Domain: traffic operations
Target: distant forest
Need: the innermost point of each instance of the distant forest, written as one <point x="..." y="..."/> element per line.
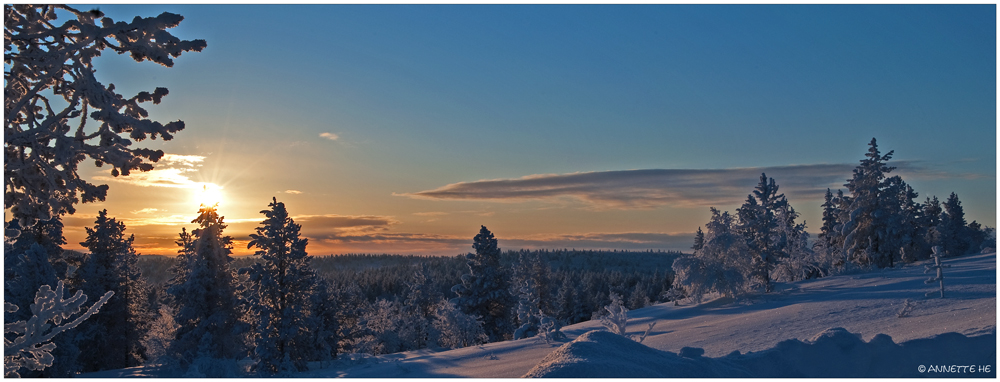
<point x="577" y="283"/>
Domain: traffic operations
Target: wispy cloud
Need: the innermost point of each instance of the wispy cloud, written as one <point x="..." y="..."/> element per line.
<point x="644" y="189"/>
<point x="319" y="225"/>
<point x="937" y="171"/>
<point x="396" y="238"/>
<point x="330" y="136"/>
<point x="436" y="213"/>
<point x="145" y="211"/>
<point x="171" y="171"/>
<point x="652" y="188"/>
<point x="293" y="192"/>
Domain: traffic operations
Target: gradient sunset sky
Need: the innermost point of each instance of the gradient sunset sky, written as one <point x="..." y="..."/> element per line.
<point x="402" y="129"/>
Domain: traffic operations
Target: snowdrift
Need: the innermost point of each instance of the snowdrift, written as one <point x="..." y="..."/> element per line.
<point x="832" y="353"/>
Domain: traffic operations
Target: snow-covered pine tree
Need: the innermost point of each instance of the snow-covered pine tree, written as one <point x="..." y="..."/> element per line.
<point x="720" y="266"/>
<point x="638" y="298"/>
<point x="914" y="246"/>
<point x="280" y="288"/>
<point x="455" y="329"/>
<point x="699" y="239"/>
<point x="527" y="311"/>
<point x="323" y="324"/>
<point x="827" y="233"/>
<point x="418" y="307"/>
<point x="483" y="291"/>
<point x="203" y="295"/>
<point x="46" y="65"/>
<point x="351" y="304"/>
<point x="49" y="235"/>
<point x="903" y="229"/>
<point x="616" y="319"/>
<point x="524" y="283"/>
<point x="540" y="276"/>
<point x="161" y="333"/>
<point x="798" y="261"/>
<point x="954" y="232"/>
<point x="866" y="231"/>
<point x="380" y="325"/>
<point x="932" y="212"/>
<point x="979" y="237"/>
<point x="567" y="302"/>
<point x="27" y="343"/>
<point x="25" y="270"/>
<point x="113" y="337"/>
<point x="758" y="226"/>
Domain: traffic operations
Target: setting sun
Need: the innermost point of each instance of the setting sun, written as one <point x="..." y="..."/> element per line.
<point x="208" y="195"/>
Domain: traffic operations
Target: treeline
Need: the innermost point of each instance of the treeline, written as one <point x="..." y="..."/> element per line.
<point x="877" y="224"/>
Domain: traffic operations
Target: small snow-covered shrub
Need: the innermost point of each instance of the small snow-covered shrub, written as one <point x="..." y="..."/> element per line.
<point x="907" y="308"/>
<point x="549" y="329"/>
<point x="617" y="318"/>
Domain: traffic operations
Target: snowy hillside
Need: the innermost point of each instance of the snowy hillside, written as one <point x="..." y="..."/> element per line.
<point x="867" y="304"/>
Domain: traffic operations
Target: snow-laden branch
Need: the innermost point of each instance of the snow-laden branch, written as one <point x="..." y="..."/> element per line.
<point x="49" y="83"/>
<point x="30" y="346"/>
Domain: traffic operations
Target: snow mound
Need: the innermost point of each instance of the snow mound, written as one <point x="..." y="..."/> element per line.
<point x="601" y="354"/>
<point x="832" y="353"/>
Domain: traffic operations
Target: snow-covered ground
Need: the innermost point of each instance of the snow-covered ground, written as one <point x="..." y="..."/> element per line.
<point x="866" y="304"/>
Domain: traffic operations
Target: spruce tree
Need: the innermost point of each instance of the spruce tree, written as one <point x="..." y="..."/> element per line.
<point x="567" y="302"/>
<point x="27" y="266"/>
<point x="930" y="221"/>
<point x="528" y="314"/>
<point x="203" y="294"/>
<point x="699" y="240"/>
<point x="323" y="324"/>
<point x="113" y="337"/>
<point x="758" y="225"/>
<point x="954" y="232"/>
<point x="419" y="305"/>
<point x="912" y="244"/>
<point x="899" y="230"/>
<point x="280" y="293"/>
<point x="483" y="291"/>
<point x="827" y="232"/>
<point x="866" y="230"/>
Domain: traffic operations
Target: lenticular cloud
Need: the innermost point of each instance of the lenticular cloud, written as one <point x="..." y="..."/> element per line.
<point x="643" y="189"/>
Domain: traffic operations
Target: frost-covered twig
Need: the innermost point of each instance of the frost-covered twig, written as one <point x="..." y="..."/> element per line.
<point x="907" y="308"/>
<point x="30" y="344"/>
<point x="646" y="333"/>
<point x="617" y="318"/>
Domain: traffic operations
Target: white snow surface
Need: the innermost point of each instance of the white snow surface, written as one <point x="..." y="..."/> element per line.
<point x="864" y="304"/>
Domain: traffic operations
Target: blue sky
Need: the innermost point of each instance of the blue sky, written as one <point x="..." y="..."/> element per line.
<point x="414" y="99"/>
